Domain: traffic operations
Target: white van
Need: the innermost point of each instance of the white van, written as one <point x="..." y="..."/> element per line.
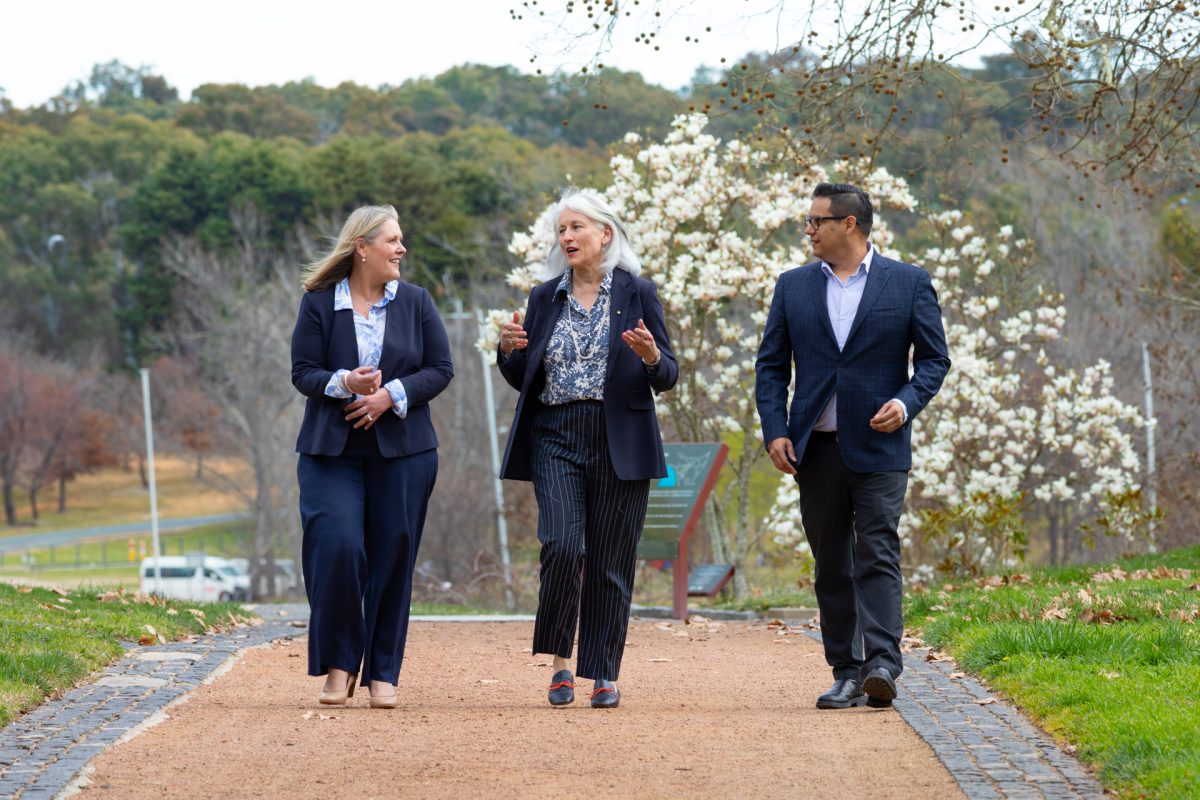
<point x="284" y="573"/>
<point x="192" y="577"/>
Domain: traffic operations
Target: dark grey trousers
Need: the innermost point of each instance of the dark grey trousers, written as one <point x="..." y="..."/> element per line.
<point x="589" y="523"/>
<point x="850" y="519"/>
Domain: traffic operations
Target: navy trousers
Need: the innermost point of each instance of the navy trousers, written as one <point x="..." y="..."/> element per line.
<point x="589" y="523"/>
<point x="851" y="519"/>
<point x="362" y="516"/>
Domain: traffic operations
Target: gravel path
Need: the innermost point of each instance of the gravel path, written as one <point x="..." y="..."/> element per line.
<point x="709" y="709"/>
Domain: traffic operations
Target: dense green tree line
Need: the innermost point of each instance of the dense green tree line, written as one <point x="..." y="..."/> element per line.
<point x="96" y="180"/>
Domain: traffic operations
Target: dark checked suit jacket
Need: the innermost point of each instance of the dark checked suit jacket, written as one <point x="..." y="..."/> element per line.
<point x="898" y="312"/>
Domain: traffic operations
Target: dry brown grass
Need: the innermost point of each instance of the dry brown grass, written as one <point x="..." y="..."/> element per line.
<point x="115" y="496"/>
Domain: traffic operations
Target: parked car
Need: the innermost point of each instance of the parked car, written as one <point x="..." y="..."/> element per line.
<point x="193" y="577"/>
<point x="287" y="580"/>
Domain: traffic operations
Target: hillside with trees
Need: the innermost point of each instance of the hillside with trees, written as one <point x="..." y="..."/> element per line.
<point x="136" y="226"/>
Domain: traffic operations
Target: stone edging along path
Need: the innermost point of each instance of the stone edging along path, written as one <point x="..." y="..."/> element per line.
<point x="988" y="747"/>
<point x="43" y="751"/>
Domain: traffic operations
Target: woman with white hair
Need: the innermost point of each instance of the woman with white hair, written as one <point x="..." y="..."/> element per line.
<point x="369" y="351"/>
<point x="591" y="354"/>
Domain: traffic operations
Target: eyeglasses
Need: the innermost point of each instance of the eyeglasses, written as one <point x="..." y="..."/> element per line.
<point x="815" y="222"/>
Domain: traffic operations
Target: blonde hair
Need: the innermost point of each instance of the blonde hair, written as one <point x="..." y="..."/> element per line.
<point x="363" y="223"/>
<point x="618" y="253"/>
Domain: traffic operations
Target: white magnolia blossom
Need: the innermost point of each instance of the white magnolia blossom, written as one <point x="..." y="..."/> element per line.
<point x="715" y="225"/>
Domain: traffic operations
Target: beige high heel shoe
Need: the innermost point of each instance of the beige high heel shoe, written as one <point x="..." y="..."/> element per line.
<point x="339" y="698"/>
<point x="384" y="700"/>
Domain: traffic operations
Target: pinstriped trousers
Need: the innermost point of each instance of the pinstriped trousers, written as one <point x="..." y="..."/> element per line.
<point x="589" y="523"/>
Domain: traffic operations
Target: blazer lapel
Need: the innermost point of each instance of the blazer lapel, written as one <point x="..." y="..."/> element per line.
<point x="877" y="278"/>
<point x="389" y="356"/>
<point x="620" y="297"/>
<point x="343" y="345"/>
<point x="816" y="295"/>
<point x="548" y="315"/>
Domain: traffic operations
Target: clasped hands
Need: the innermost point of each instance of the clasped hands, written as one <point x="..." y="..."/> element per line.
<point x="639" y="339"/>
<point x="366" y="410"/>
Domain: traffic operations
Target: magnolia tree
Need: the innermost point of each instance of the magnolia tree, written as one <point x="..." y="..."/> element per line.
<point x="1011" y="426"/>
<point x="1011" y="431"/>
<point x="715" y="223"/>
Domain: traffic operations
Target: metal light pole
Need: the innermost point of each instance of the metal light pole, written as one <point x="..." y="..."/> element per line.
<point x="1148" y="403"/>
<point x="153" y="486"/>
<point x="497" y="485"/>
<point x="52" y="316"/>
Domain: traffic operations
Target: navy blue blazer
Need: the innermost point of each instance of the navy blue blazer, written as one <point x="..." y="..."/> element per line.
<point x="415" y="350"/>
<point x="898" y="311"/>
<point x="634" y="440"/>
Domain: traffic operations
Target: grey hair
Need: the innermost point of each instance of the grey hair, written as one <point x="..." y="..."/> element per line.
<point x="363" y="223"/>
<point x="618" y="253"/>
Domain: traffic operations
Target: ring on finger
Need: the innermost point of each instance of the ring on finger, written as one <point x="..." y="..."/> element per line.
<point x="370" y="418"/>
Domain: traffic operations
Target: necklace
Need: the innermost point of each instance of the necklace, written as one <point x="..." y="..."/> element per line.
<point x="582" y="355"/>
<point x="370" y="303"/>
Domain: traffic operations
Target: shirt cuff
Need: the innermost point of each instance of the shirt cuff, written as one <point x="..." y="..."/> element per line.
<point x="337" y="385"/>
<point x="399" y="397"/>
<point x="903" y="408"/>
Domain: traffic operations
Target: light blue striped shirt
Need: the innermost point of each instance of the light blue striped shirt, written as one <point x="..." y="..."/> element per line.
<point x="843" y="300"/>
<point x="368" y="331"/>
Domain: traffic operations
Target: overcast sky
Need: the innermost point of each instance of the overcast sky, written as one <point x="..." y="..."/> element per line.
<point x="48" y="44"/>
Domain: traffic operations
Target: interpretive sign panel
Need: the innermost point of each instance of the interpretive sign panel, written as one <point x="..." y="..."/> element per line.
<point x="676" y="503"/>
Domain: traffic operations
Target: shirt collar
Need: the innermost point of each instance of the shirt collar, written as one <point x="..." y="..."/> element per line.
<point x="564" y="284"/>
<point x="864" y="267"/>
<point x="343" y="301"/>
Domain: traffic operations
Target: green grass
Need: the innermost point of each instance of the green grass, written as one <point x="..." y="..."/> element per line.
<point x="52" y="640"/>
<point x="109" y="563"/>
<point x="1106" y="661"/>
<point x="448" y="609"/>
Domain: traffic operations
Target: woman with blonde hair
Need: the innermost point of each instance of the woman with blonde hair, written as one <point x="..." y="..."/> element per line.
<point x="590" y="356"/>
<point x="369" y="352"/>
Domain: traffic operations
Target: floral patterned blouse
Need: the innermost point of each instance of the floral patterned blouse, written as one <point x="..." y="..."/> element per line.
<point x="576" y="358"/>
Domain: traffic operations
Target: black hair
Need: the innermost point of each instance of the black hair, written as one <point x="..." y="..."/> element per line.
<point x="847" y="200"/>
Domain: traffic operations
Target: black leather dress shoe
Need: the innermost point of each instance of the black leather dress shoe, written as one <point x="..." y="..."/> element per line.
<point x="562" y="688"/>
<point x="605" y="694"/>
<point x="880" y="688"/>
<point x="845" y="693"/>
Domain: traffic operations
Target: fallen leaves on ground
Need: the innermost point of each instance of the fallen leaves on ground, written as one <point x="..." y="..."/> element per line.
<point x="1116" y="575"/>
<point x="311" y="715"/>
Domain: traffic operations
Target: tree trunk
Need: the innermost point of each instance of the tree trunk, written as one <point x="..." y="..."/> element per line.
<point x="10" y="506"/>
<point x="142" y="472"/>
<point x="1054" y="537"/>
<point x="741" y="584"/>
<point x="62" y="494"/>
<point x="33" y="493"/>
<point x="716" y="531"/>
<point x="199" y="465"/>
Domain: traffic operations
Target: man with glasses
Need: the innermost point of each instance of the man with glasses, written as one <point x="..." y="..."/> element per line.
<point x="847" y="324"/>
